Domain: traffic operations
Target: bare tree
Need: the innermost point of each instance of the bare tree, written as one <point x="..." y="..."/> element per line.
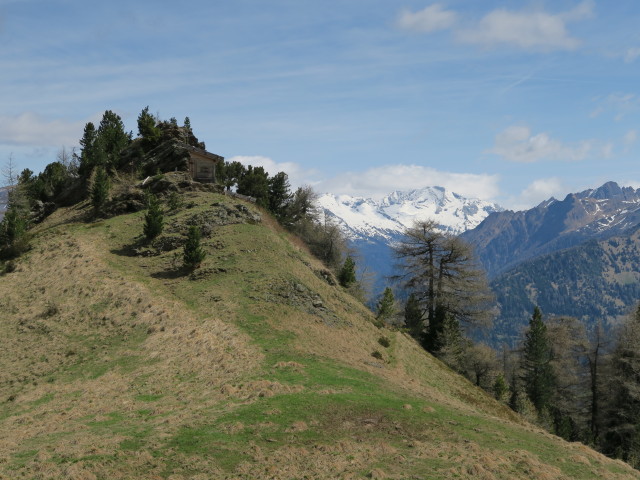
<point x="10" y="172"/>
<point x="442" y="272"/>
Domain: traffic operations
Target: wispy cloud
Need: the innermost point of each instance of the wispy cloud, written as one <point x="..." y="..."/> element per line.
<point x="527" y="29"/>
<point x="620" y="104"/>
<point x="430" y="19"/>
<point x="517" y="144"/>
<point x="30" y="129"/>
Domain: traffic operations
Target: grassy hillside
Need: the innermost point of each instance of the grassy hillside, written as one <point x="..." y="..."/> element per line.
<point x="116" y="364"/>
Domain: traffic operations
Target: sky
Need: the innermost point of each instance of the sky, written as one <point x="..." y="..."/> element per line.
<point x="508" y="101"/>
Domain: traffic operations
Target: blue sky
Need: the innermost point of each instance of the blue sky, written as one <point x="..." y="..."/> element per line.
<point x="510" y="101"/>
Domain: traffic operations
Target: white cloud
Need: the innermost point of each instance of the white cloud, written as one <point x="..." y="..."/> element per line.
<point x="527" y="29"/>
<point x="539" y="191"/>
<point x="517" y="144"/>
<point x="430" y="19"/>
<point x="620" y="104"/>
<point x="379" y="181"/>
<point x="298" y="176"/>
<point x="31" y="129"/>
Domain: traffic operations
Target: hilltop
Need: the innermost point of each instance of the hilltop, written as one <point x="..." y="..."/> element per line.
<point x="116" y="363"/>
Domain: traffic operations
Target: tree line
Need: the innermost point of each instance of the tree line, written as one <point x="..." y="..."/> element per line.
<point x="583" y="385"/>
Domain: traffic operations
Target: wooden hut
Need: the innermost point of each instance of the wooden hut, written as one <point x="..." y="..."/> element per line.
<point x="203" y="164"/>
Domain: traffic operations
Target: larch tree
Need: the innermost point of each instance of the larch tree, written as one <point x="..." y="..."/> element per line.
<point x="442" y="272"/>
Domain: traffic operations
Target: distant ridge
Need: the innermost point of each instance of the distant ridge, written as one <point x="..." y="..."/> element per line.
<point x="508" y="238"/>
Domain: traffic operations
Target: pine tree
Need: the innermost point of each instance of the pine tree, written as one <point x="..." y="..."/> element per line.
<point x="413" y="317"/>
<point x="88" y="155"/>
<point x="386" y="305"/>
<point x="347" y="274"/>
<point x="147" y="129"/>
<point x="537" y="372"/>
<point x="154" y="219"/>
<point x="111" y="138"/>
<point x="100" y="187"/>
<point x="194" y="254"/>
<point x="13" y="233"/>
<point x="279" y="195"/>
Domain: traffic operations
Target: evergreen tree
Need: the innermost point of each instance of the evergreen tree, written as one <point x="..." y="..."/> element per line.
<point x="88" y="154"/>
<point x="413" y="317"/>
<point x="231" y="173"/>
<point x="254" y="182"/>
<point x="111" y="138"/>
<point x="194" y="254"/>
<point x="537" y="372"/>
<point x="187" y="124"/>
<point x="347" y="274"/>
<point x="451" y="345"/>
<point x="147" y="129"/>
<point x="279" y="195"/>
<point x="13" y="232"/>
<point x="385" y="308"/>
<point x="154" y="219"/>
<point x="99" y="189"/>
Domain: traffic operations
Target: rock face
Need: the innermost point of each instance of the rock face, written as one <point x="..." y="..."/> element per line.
<point x="507" y="238"/>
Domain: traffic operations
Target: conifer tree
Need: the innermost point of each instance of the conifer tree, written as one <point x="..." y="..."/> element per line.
<point x="111" y="138"/>
<point x="279" y="195"/>
<point x="88" y="155"/>
<point x="194" y="254"/>
<point x="413" y="317"/>
<point x="154" y="219"/>
<point x="13" y="233"/>
<point x="386" y="305"/>
<point x="100" y="187"/>
<point x="347" y="274"/>
<point x="537" y="372"/>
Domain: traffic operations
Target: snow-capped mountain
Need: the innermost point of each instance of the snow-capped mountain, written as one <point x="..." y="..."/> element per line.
<point x="365" y="218"/>
<point x="373" y="226"/>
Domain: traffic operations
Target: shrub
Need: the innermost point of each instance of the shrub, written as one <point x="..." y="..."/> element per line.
<point x="385" y="342"/>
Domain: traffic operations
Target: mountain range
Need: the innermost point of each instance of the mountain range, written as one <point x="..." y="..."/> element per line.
<point x="579" y="256"/>
<point x="373" y="226"/>
<point x="507" y="238"/>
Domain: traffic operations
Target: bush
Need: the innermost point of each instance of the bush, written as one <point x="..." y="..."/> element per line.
<point x="385" y="342"/>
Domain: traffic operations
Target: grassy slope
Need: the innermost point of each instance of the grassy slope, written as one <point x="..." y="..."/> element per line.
<point x="119" y="366"/>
